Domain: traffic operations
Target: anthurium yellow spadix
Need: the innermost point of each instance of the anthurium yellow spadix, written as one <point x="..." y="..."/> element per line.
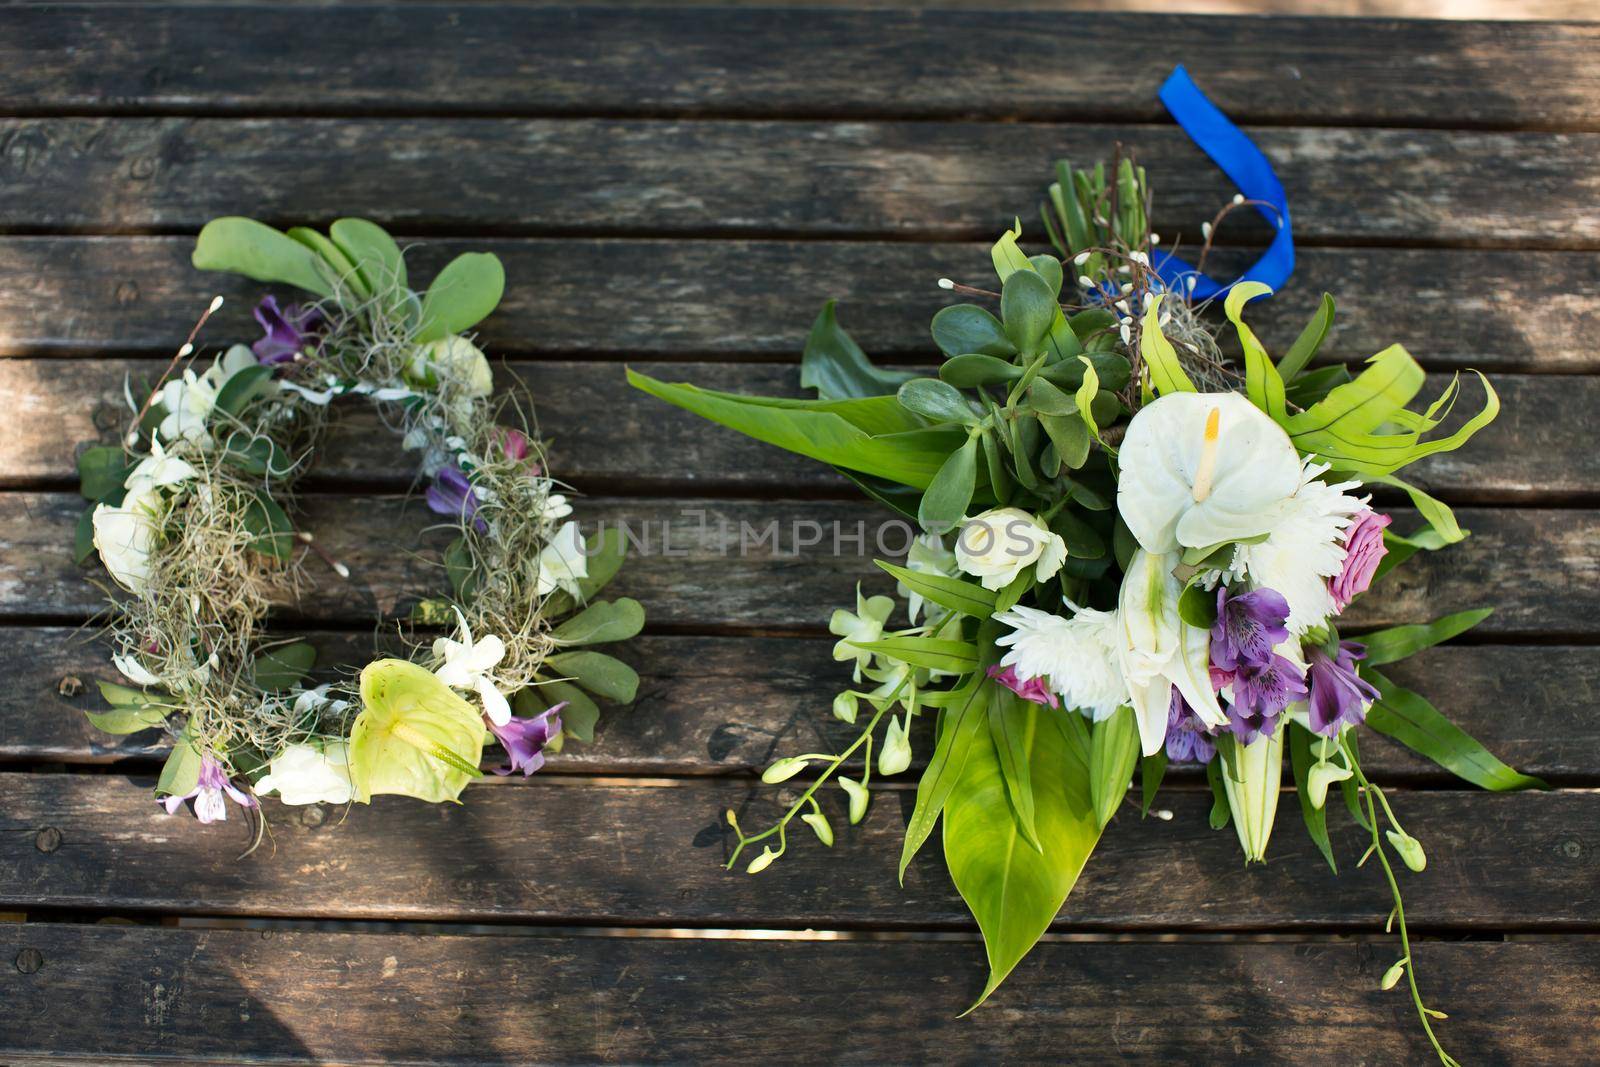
<point x="414" y="736"/>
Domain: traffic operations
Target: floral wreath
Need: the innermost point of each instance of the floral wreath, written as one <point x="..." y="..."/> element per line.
<point x="193" y="518"/>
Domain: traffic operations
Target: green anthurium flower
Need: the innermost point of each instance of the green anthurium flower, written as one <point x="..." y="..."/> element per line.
<point x="414" y="736"/>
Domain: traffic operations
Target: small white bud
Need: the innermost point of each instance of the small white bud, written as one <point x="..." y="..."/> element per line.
<point x="185" y="350"/>
<point x="216" y="302"/>
<point x="1155" y="238"/>
<point x="1238" y="198"/>
<point x="1164" y="814"/>
<point x="761" y="862"/>
<point x="946" y="283"/>
<point x="1127" y="287"/>
<point x="1121" y="305"/>
<point x="1205" y="230"/>
<point x="1127" y="334"/>
<point x="1081" y="258"/>
<point x="341" y="570"/>
<point x="1086" y="281"/>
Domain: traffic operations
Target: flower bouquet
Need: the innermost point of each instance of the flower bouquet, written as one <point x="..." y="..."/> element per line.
<point x="194" y="516"/>
<point x="1135" y="553"/>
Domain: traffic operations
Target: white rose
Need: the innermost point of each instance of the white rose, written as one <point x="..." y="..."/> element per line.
<point x="454" y="357"/>
<point x="125" y="535"/>
<point x="1000" y="544"/>
<point x="310" y="774"/>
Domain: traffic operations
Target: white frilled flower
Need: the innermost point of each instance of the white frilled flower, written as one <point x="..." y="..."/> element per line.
<point x="158" y="471"/>
<point x="467" y="664"/>
<point x="125" y="535"/>
<point x="1199" y="469"/>
<point x="861" y="626"/>
<point x="926" y="556"/>
<point x="1158" y="650"/>
<point x="1077" y="657"/>
<point x="1000" y="544"/>
<point x="457" y="359"/>
<point x="563" y="562"/>
<point x="310" y="774"/>
<point x="1304" y="549"/>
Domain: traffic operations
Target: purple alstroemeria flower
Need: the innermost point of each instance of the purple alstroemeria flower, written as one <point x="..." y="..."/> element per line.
<point x="524" y="739"/>
<point x="208" y="792"/>
<point x="289" y="330"/>
<point x="1363" y="551"/>
<point x="451" y="494"/>
<point x="1034" y="689"/>
<point x="1338" y="694"/>
<point x="1261" y="694"/>
<point x="1187" y="740"/>
<point x="1248" y="627"/>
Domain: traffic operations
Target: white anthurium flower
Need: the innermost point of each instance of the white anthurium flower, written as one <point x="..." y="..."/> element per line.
<point x="1304" y="549"/>
<point x="467" y="664"/>
<point x="563" y="562"/>
<point x="1158" y="650"/>
<point x="188" y="402"/>
<point x="1001" y="543"/>
<point x="134" y="671"/>
<point x="125" y="536"/>
<point x="556" y="507"/>
<point x="158" y="471"/>
<point x="1077" y="657"/>
<point x="862" y="626"/>
<point x="1200" y="469"/>
<point x="927" y="555"/>
<point x="310" y="773"/>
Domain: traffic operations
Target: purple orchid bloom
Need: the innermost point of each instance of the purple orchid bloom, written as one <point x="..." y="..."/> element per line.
<point x="524" y="739"/>
<point x="1187" y="740"/>
<point x="289" y="330"/>
<point x="208" y="792"/>
<point x="1248" y="627"/>
<point x="1261" y="694"/>
<point x="1033" y="689"/>
<point x="1363" y="551"/>
<point x="1338" y="694"/>
<point x="451" y="494"/>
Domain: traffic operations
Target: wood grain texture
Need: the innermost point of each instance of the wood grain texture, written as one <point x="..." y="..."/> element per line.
<point x="1501" y="310"/>
<point x="1536" y="450"/>
<point x="751" y="63"/>
<point x="730" y="705"/>
<point x="266" y="997"/>
<point x="566" y="850"/>
<point x="712" y="564"/>
<point x="958" y="180"/>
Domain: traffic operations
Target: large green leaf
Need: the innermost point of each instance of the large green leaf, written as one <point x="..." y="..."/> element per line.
<point x="1399" y="642"/>
<point x="605" y="620"/>
<point x="374" y="253"/>
<point x="334" y="257"/>
<point x="961" y="724"/>
<point x="101" y="471"/>
<point x="836" y="367"/>
<point x="603" y="675"/>
<point x="1113" y="750"/>
<point x="963" y="329"/>
<point x="1310" y="340"/>
<point x="1410" y="719"/>
<point x="957" y="657"/>
<point x="1012" y="724"/>
<point x="945" y="502"/>
<point x="953" y="593"/>
<point x="283" y="666"/>
<point x="255" y="250"/>
<point x="823" y="430"/>
<point x="461" y="296"/>
<point x="1014" y="891"/>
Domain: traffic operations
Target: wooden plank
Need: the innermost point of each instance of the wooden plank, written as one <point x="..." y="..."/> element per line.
<point x="730" y="705"/>
<point x="1535" y="451"/>
<point x="1503" y="310"/>
<point x="650" y="854"/>
<point x="269" y="996"/>
<point x="787" y="62"/>
<point x="959" y="180"/>
<point x="710" y="564"/>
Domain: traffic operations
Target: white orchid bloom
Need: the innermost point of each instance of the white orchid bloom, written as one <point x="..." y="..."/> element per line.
<point x="855" y="628"/>
<point x="927" y="555"/>
<point x="125" y="536"/>
<point x="1158" y="650"/>
<point x="1001" y="543"/>
<point x="1077" y="657"/>
<point x="317" y="699"/>
<point x="188" y="402"/>
<point x="310" y="773"/>
<point x="467" y="664"/>
<point x="555" y="507"/>
<point x="563" y="562"/>
<point x="158" y="471"/>
<point x="1199" y="469"/>
<point x="225" y="366"/>
<point x="133" y="670"/>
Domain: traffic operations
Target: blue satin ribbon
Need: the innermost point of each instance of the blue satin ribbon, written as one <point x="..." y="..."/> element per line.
<point x="1241" y="160"/>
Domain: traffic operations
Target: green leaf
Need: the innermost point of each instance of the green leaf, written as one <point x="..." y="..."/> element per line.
<point x="83" y="537"/>
<point x="1013" y="891"/>
<point x="283" y="667"/>
<point x="127" y="720"/>
<point x="1047" y="399"/>
<point x="1312" y="385"/>
<point x="973" y="369"/>
<point x="1113" y="750"/>
<point x="1316" y="819"/>
<point x="1263" y="384"/>
<point x="1007" y="256"/>
<point x="255" y="455"/>
<point x="101" y="471"/>
<point x="1069" y="434"/>
<point x="962" y="725"/>
<point x="936" y="400"/>
<point x="461" y="296"/>
<point x="1436" y="513"/>
<point x="1197" y="607"/>
<point x="578" y="718"/>
<point x="1219" y="795"/>
<point x="1399" y="642"/>
<point x="272" y="534"/>
<point x="944" y="504"/>
<point x="458" y="568"/>
<point x="1161" y="359"/>
<point x="338" y="263"/>
<point x="376" y="256"/>
<point x="602" y="621"/>
<point x="1085" y="398"/>
<point x="1027" y="310"/>
<point x="1151" y="770"/>
<point x="1012" y="724"/>
<point x="181" y="773"/>
<point x="822" y="429"/>
<point x="900" y="499"/>
<point x="604" y="676"/>
<point x="1410" y="719"/>
<point x="968" y="598"/>
<point x="968" y="328"/>
<point x="956" y="657"/>
<point x="836" y="367"/>
<point x="605" y="551"/>
<point x="241" y="388"/>
<point x="245" y="246"/>
<point x="1305" y="346"/>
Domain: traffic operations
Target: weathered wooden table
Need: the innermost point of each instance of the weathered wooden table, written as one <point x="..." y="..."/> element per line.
<point x="679" y="189"/>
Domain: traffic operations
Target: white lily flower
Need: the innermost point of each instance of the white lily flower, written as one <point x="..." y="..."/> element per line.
<point x="1077" y="657"/>
<point x="563" y="562"/>
<point x="125" y="536"/>
<point x="134" y="671"/>
<point x="1001" y="543"/>
<point x="927" y="555"/>
<point x="158" y="471"/>
<point x="467" y="664"/>
<point x="310" y="773"/>
<point x="1158" y="650"/>
<point x="1199" y="469"/>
